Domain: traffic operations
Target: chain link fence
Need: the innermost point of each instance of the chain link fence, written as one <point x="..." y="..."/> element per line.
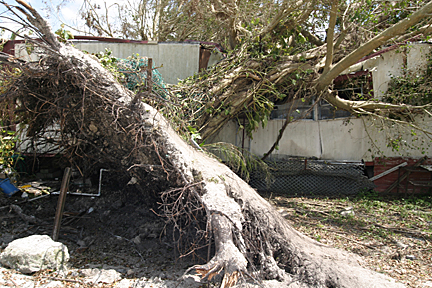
<point x="297" y="176"/>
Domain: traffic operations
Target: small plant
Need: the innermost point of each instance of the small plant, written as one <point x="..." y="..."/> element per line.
<point x="8" y="141"/>
<point x="110" y="63"/>
<point x="64" y="35"/>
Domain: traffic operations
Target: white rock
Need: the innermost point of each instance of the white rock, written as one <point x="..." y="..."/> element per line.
<point x="53" y="284"/>
<point x="346" y="213"/>
<point x="137" y="240"/>
<point x="125" y="283"/>
<point x="95" y="275"/>
<point x="35" y="253"/>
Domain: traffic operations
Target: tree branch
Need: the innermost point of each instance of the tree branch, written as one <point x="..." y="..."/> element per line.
<point x="330" y="36"/>
<point x="353" y="106"/>
<point x="283" y="13"/>
<point x="311" y="37"/>
<point x="380" y="39"/>
<point x="36" y="20"/>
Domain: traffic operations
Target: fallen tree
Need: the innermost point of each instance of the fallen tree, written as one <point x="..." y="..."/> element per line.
<point x="264" y="70"/>
<point x="103" y="124"/>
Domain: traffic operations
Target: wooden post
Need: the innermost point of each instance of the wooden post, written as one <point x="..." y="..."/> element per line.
<point x="149" y="74"/>
<point x="61" y="202"/>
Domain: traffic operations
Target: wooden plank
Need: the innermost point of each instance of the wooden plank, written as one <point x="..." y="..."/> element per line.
<point x="405" y="175"/>
<point x="61" y="202"/>
<point x="388" y="171"/>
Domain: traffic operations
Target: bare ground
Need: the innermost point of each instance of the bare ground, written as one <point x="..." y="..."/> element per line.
<point x="120" y="231"/>
<point x="392" y="236"/>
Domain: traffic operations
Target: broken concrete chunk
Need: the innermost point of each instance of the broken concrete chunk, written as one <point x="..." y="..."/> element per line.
<point x="35" y="253"/>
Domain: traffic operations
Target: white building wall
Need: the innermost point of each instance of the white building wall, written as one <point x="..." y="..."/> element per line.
<point x="348" y="138"/>
<point x="179" y="60"/>
<point x="336" y="139"/>
<point x="388" y="66"/>
<point x="300" y="138"/>
<point x="175" y="61"/>
<point x="417" y="57"/>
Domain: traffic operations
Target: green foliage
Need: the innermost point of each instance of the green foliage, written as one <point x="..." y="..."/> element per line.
<point x="194" y="133"/>
<point x="240" y="161"/>
<point x="64" y="35"/>
<point x="412" y="88"/>
<point x="110" y="63"/>
<point x="8" y="140"/>
<point x="132" y="72"/>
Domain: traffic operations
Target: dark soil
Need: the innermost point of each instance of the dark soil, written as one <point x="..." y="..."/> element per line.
<point x="116" y="230"/>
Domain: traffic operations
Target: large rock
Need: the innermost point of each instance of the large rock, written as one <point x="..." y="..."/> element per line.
<point x="35" y="253"/>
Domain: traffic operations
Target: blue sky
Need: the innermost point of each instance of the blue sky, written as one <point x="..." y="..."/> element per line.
<point x="68" y="13"/>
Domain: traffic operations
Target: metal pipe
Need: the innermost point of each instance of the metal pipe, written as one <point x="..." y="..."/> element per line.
<point x="88" y="194"/>
<point x="100" y="181"/>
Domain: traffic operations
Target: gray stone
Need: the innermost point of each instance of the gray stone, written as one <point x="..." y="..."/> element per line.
<point x="35" y="253"/>
<point x="6" y="238"/>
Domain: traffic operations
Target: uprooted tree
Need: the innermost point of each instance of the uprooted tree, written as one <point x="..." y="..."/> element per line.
<point x="282" y="51"/>
<point x="102" y="124"/>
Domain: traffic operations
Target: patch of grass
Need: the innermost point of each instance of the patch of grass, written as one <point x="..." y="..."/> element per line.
<point x="375" y="231"/>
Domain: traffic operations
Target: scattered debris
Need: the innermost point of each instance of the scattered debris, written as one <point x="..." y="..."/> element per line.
<point x="347" y="212"/>
<point x="29" y="219"/>
<point x="386" y="233"/>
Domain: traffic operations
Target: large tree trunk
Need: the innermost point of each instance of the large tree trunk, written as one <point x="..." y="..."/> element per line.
<point x="102" y="124"/>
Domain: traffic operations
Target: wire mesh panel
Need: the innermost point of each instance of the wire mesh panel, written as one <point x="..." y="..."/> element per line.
<point x="135" y="72"/>
<point x="296" y="176"/>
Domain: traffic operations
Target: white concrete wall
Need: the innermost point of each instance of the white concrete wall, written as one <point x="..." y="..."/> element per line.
<point x="21" y="52"/>
<point x="343" y="138"/>
<point x="179" y="60"/>
<point x="337" y="139"/>
<point x="390" y="64"/>
<point x="417" y="57"/>
<point x="294" y="142"/>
